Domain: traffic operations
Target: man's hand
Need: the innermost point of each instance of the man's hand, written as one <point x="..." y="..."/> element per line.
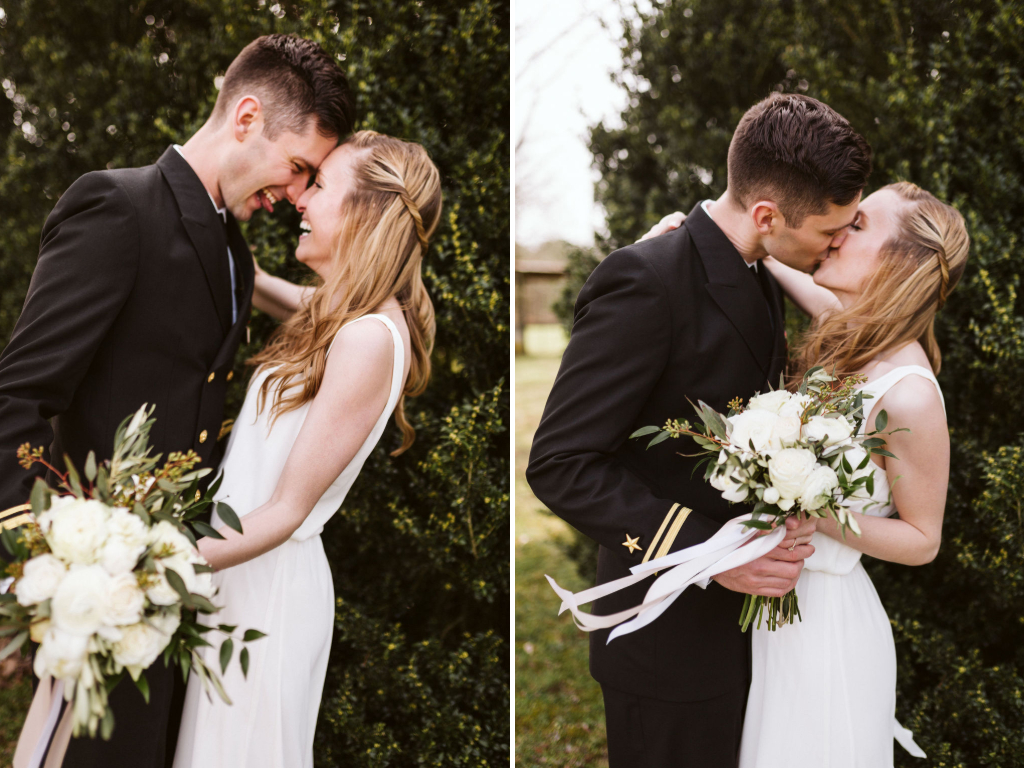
<point x="776" y="573"/>
<point x="667" y="224"/>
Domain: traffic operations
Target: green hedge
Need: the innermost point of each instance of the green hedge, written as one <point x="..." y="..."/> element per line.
<point x="937" y="89"/>
<point x="419" y="668"/>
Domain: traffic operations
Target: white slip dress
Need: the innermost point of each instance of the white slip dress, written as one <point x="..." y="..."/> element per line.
<point x="823" y="690"/>
<point x="287" y="593"/>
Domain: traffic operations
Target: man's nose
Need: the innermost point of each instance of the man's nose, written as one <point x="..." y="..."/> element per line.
<point x="295" y="191"/>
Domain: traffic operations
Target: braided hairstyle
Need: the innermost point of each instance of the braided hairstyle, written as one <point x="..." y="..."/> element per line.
<point x="918" y="268"/>
<point x="387" y="222"/>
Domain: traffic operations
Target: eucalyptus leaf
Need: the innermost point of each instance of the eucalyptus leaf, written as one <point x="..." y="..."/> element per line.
<point x="206" y="529"/>
<point x="226" y="649"/>
<point x="90" y="466"/>
<point x="644" y="431"/>
<point x="881" y="420"/>
<point x="227" y="514"/>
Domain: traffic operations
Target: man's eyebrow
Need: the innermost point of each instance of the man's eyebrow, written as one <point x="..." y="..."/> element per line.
<point x="304" y="164"/>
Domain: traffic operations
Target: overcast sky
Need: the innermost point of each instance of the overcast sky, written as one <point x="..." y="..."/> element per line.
<point x="564" y="58"/>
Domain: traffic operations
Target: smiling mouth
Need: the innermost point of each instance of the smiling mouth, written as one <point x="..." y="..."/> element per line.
<point x="306" y="228"/>
<point x="267" y="199"/>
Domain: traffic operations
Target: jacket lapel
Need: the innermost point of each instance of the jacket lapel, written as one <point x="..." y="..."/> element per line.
<point x="733" y="286"/>
<point x="204" y="229"/>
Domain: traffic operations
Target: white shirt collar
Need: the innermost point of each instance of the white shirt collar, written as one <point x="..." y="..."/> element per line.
<point x="704" y="204"/>
<point x="222" y="212"/>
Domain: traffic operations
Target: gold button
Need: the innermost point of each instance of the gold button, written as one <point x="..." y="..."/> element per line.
<point x="199" y="495"/>
<point x="210" y="377"/>
<point x="231" y="375"/>
<point x="202" y="436"/>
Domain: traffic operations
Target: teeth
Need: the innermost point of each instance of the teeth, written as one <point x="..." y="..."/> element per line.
<point x="305" y="226"/>
<point x="269" y="195"/>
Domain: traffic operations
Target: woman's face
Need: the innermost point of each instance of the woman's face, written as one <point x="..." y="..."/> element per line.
<point x="321" y="207"/>
<point x="849" y="266"/>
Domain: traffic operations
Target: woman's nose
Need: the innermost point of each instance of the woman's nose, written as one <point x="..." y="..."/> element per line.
<point x="839" y="237"/>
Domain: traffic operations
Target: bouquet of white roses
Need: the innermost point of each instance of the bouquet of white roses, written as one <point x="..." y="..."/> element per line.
<point x="107" y="576"/>
<point x="786" y="453"/>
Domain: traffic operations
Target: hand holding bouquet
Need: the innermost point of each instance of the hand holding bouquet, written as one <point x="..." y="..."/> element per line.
<point x="786" y="453"/>
<point x="107" y="576"/>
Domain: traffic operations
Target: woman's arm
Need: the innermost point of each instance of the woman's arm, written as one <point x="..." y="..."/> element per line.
<point x="352" y="396"/>
<point x="922" y="470"/>
<point x="802" y="290"/>
<point x="276" y="296"/>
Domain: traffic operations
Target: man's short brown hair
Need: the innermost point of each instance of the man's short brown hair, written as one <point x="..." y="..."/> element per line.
<point x="799" y="153"/>
<point x="295" y="80"/>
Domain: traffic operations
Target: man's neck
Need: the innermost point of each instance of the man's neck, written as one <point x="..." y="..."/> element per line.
<point x="201" y="153"/>
<point x="736" y="225"/>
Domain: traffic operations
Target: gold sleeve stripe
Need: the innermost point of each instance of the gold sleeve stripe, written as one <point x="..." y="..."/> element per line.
<point x="661" y="530"/>
<point x="14" y="522"/>
<point x="15" y="510"/>
<point x="670" y="537"/>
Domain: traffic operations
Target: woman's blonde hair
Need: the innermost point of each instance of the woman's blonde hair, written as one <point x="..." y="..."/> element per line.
<point x="387" y="222"/>
<point x="918" y="268"/>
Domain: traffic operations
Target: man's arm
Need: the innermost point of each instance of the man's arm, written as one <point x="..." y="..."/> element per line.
<point x="88" y="259"/>
<point x="620" y="343"/>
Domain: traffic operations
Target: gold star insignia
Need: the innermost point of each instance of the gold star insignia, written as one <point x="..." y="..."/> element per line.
<point x="631" y="543"/>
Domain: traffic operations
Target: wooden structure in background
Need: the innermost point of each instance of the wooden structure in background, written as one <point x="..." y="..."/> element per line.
<point x="539" y="283"/>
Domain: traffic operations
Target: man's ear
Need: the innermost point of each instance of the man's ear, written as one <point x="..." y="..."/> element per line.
<point x="765" y="215"/>
<point x="247" y="118"/>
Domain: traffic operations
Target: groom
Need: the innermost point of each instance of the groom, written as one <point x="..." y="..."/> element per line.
<point x="690" y="314"/>
<point x="142" y="294"/>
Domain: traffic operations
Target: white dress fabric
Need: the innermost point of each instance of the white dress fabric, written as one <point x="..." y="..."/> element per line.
<point x="287" y="593"/>
<point x="823" y="690"/>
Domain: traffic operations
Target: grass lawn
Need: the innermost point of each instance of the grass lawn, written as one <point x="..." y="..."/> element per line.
<point x="15" y="696"/>
<point x="559" y="712"/>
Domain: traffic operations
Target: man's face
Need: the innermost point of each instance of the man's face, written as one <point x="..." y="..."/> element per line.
<point x="259" y="172"/>
<point x="806" y="246"/>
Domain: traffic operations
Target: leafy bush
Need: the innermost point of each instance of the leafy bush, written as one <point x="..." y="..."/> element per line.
<point x="937" y="89"/>
<point x="420" y="549"/>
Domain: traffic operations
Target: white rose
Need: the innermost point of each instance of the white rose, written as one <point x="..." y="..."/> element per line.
<point x="128" y="526"/>
<point x="795" y="406"/>
<point x="139" y="646"/>
<point x="828" y="432"/>
<point x="770" y="401"/>
<point x="160" y="592"/>
<point x="818" y="488"/>
<point x="785" y="433"/>
<point x="80" y="602"/>
<point x="77" y="530"/>
<point x="125" y="601"/>
<point x="42" y="575"/>
<point x="166" y="621"/>
<point x="61" y="654"/>
<point x="165" y="534"/>
<point x="730" y="485"/>
<point x="771" y="496"/>
<point x="752" y="427"/>
<point x="789" y="470"/>
<point x="119" y="557"/>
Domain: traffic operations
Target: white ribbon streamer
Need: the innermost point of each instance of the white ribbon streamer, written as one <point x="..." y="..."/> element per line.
<point x="906" y="739"/>
<point x="732" y="545"/>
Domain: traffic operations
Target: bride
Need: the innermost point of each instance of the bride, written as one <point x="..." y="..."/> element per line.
<point x="309" y="420"/>
<point x="872" y="303"/>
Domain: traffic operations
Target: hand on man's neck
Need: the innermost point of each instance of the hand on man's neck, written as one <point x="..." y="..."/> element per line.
<point x="737" y="225"/>
<point x="202" y="152"/>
